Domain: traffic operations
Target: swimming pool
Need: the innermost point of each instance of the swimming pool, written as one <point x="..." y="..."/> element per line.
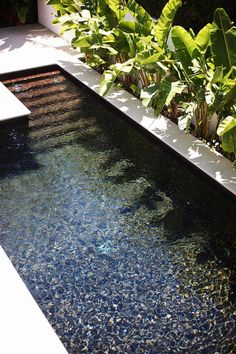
<point x="123" y="247"/>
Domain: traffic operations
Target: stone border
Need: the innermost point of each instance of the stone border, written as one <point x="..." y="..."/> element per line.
<point x="23" y="327"/>
<point x="11" y="107"/>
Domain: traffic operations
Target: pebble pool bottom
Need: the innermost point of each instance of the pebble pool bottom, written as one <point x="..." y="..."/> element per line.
<point x="123" y="247"/>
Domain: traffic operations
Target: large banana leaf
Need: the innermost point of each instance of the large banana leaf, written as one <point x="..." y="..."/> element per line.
<point x="227" y="129"/>
<point x="117" y="6"/>
<point x="162" y="93"/>
<point x="227" y="124"/>
<point x="223" y="46"/>
<point x="176" y="88"/>
<point x="203" y="38"/>
<point x="223" y="39"/>
<point x="145" y="58"/>
<point x="185" y="47"/>
<point x="222" y="20"/>
<point x="131" y="41"/>
<point x="82" y="42"/>
<point x="143" y="18"/>
<point x="164" y="23"/>
<point x="109" y="17"/>
<point x="105" y="47"/>
<point x="109" y="76"/>
<point x="130" y="26"/>
<point x="149" y="93"/>
<point x="64" y="7"/>
<point x="229" y="141"/>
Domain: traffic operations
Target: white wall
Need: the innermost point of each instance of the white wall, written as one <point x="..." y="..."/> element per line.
<point x="45" y="17"/>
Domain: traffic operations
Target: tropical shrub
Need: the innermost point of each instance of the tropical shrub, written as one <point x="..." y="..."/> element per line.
<point x="192" y="80"/>
<point x="208" y="71"/>
<point x="193" y="14"/>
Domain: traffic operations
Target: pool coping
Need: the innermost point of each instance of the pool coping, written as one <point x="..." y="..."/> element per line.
<point x="24" y="328"/>
<point x="11" y="107"/>
<point x="212" y="164"/>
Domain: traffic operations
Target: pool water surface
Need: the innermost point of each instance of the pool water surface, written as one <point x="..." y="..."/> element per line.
<point x="123" y="247"/>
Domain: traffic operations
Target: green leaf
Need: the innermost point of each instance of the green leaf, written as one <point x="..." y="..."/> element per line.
<point x="203" y="38"/>
<point x="224" y="47"/>
<point x="160" y="102"/>
<point x="185" y="46"/>
<point x="164" y="23"/>
<point x="218" y="75"/>
<point x="143" y="59"/>
<point x="109" y="16"/>
<point x="229" y="141"/>
<point x="227" y="124"/>
<point x="176" y="87"/>
<point x="129" y="26"/>
<point x="149" y="91"/>
<point x="185" y="120"/>
<point x="124" y="67"/>
<point x="148" y="94"/>
<point x="135" y="13"/>
<point x="131" y="43"/>
<point x="104" y="46"/>
<point x="107" y="81"/>
<point x="82" y="42"/>
<point x="222" y="20"/>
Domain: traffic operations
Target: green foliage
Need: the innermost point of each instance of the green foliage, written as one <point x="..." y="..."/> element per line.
<point x="223" y="38"/>
<point x="227" y="129"/>
<point x="186" y="47"/>
<point x="193" y="14"/>
<point x="164" y="23"/>
<point x="120" y="39"/>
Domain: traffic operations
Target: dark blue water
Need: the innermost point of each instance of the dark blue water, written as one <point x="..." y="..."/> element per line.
<point x="124" y="248"/>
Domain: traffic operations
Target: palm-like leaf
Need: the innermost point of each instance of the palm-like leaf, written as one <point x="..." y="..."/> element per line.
<point x="203" y="37"/>
<point x="164" y="23"/>
<point x="185" y="46"/>
<point x="223" y="39"/>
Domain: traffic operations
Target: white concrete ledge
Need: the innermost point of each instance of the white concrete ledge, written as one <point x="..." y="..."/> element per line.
<point x="10" y="106"/>
<point x="23" y="327"/>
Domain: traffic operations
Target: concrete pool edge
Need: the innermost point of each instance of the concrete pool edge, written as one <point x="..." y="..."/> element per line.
<point x="11" y="107"/>
<point x="24" y="328"/>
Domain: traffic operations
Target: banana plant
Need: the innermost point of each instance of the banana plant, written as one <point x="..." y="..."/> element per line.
<point x="163" y="26"/>
<point x="206" y="63"/>
<point x="198" y="77"/>
<point x="223" y="40"/>
<point x="147" y="47"/>
<point x="227" y="129"/>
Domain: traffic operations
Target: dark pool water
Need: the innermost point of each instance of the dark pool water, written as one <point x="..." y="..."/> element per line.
<point x="124" y="249"/>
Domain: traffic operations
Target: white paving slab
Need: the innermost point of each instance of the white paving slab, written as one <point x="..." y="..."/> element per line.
<point x="23" y="327"/>
<point x="10" y="106"/>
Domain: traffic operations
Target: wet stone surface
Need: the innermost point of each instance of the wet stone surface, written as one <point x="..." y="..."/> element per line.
<point x="124" y="249"/>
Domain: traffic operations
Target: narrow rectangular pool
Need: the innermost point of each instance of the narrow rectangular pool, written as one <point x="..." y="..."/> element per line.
<point x="123" y="247"/>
